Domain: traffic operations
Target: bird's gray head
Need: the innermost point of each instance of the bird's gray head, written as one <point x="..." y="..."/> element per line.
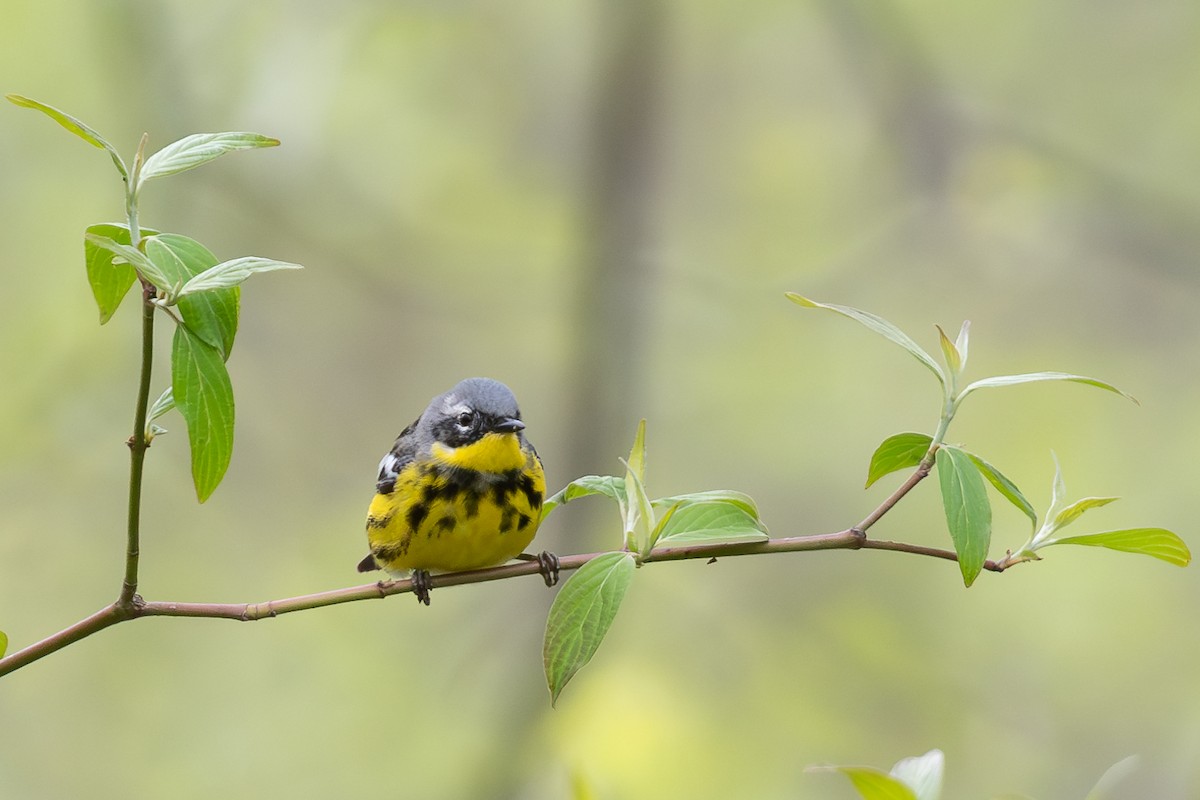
<point x="470" y="411"/>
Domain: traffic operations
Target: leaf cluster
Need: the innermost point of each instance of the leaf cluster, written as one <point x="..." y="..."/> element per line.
<point x="963" y="476"/>
<point x="180" y="277"/>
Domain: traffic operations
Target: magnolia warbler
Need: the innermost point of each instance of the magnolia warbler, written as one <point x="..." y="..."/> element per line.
<point x="461" y="489"/>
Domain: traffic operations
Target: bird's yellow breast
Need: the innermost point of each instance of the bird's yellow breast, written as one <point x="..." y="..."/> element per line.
<point x="459" y="508"/>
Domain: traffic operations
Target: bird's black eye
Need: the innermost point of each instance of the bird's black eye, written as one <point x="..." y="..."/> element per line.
<point x="466" y="419"/>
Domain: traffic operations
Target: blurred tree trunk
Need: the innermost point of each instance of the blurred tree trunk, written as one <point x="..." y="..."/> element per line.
<point x="618" y="262"/>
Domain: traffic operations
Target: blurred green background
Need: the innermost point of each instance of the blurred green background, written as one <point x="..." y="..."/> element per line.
<point x="602" y="204"/>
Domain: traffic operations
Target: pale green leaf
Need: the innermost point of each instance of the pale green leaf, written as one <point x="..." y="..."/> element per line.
<point x="110" y="281"/>
<point x="1033" y="377"/>
<point x="212" y="315"/>
<point x="228" y="274"/>
<point x="897" y="452"/>
<point x="164" y="403"/>
<point x="3" y="643"/>
<point x="949" y="351"/>
<point x="968" y="512"/>
<point x="75" y="126"/>
<point x="922" y="774"/>
<point x="204" y="398"/>
<point x="1112" y="776"/>
<point x="199" y="148"/>
<point x="1157" y="542"/>
<point x="143" y="265"/>
<point x="581" y="615"/>
<point x="709" y="521"/>
<point x="639" y="514"/>
<point x="607" y="485"/>
<point x="1058" y="488"/>
<point x="872" y="784"/>
<point x="1005" y="487"/>
<point x="961" y="343"/>
<point x="880" y="326"/>
<point x="1076" y="510"/>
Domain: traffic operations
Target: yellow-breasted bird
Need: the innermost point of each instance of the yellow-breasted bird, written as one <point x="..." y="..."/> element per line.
<point x="461" y="489"/>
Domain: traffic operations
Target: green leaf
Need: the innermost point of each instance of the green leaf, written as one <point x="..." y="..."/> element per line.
<point x="1157" y="542"/>
<point x="3" y="643"/>
<point x="709" y="521"/>
<point x="228" y="274"/>
<point x="896" y="453"/>
<point x="880" y="326"/>
<point x="949" y="351"/>
<point x="110" y="281"/>
<point x="637" y="454"/>
<point x="211" y="315"/>
<point x="581" y="615"/>
<point x="608" y="485"/>
<point x="923" y="774"/>
<point x="1032" y="377"/>
<point x="873" y="784"/>
<point x="1004" y="486"/>
<point x="1074" y="511"/>
<point x="74" y="125"/>
<point x="132" y="256"/>
<point x="968" y="513"/>
<point x="204" y="397"/>
<point x="740" y="499"/>
<point x="199" y="148"/>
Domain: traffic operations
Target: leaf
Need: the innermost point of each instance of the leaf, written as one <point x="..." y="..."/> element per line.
<point x="3" y="643"/>
<point x="1058" y="488"/>
<point x="1157" y="542"/>
<point x="637" y="454"/>
<point x="1114" y="774"/>
<point x="1004" y="486"/>
<point x="74" y="125"/>
<point x="132" y="256"/>
<point x="873" y="784"/>
<point x="1074" y="511"/>
<point x="961" y="343"/>
<point x="639" y="514"/>
<point x="199" y="148"/>
<point x="880" y="326"/>
<point x="581" y="615"/>
<point x="608" y="485"/>
<point x="968" y="513"/>
<point x="715" y="495"/>
<point x="228" y="274"/>
<point x="709" y="521"/>
<point x="923" y="774"/>
<point x="164" y="403"/>
<point x="1032" y="377"/>
<point x="897" y="452"/>
<point x="949" y="351"/>
<point x="110" y="282"/>
<point x="204" y="397"/>
<point x="212" y="315"/>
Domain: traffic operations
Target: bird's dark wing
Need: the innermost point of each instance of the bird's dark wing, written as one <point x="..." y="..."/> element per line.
<point x="400" y="456"/>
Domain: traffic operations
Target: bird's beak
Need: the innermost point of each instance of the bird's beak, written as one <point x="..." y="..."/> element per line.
<point x="508" y="426"/>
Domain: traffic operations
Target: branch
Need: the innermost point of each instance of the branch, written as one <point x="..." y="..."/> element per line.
<point x="137" y="443"/>
<point x="134" y="607"/>
<point x="849" y="539"/>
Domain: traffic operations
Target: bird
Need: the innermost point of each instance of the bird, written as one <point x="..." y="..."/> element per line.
<point x="461" y="489"/>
